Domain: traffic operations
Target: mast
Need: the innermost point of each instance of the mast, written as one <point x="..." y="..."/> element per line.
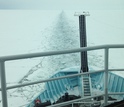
<point x="83" y="40"/>
<point x="84" y="88"/>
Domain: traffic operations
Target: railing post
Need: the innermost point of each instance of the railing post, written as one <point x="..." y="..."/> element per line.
<point x="3" y="84"/>
<point x="72" y="105"/>
<point x="106" y="76"/>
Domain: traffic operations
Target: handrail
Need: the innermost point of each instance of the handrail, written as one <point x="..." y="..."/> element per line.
<point x="51" y="79"/>
<point x="41" y="54"/>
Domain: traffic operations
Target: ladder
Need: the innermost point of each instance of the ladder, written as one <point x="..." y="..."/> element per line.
<point x="86" y="86"/>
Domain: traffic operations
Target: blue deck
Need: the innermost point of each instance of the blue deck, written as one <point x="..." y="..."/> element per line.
<point x="57" y="88"/>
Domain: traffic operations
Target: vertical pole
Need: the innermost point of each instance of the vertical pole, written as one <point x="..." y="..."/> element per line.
<point x="83" y="43"/>
<point x="3" y="84"/>
<point x="106" y="77"/>
<point x="72" y="104"/>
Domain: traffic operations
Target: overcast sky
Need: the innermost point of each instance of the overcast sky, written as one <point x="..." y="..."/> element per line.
<point x="62" y="4"/>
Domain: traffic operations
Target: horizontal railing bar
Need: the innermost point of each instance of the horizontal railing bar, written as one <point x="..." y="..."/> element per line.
<point x="115" y="69"/>
<point x="40" y="54"/>
<point x="32" y="83"/>
<point x="69" y="76"/>
<point x="113" y="101"/>
<point x="75" y="101"/>
<point x="115" y="93"/>
<point x="94" y="102"/>
<point x="72" y="101"/>
<point x="87" y="102"/>
<point x="114" y="46"/>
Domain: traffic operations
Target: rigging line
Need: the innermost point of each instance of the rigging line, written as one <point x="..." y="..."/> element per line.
<point x="108" y="24"/>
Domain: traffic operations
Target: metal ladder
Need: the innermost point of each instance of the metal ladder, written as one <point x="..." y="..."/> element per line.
<point x="86" y="86"/>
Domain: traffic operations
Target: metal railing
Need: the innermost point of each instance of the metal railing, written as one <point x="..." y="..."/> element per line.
<point x="106" y="48"/>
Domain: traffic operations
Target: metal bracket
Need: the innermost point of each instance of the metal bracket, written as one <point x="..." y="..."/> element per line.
<point x="81" y="13"/>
